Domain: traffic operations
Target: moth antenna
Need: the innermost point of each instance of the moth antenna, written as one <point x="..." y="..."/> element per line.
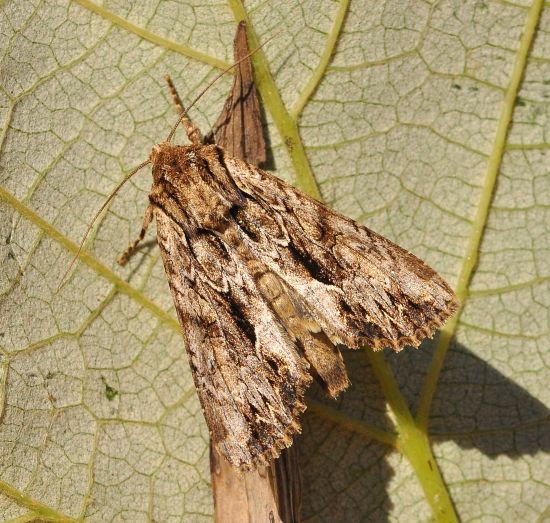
<point x="193" y="132"/>
<point x="214" y="80"/>
<point x="175" y="97"/>
<point x="96" y="216"/>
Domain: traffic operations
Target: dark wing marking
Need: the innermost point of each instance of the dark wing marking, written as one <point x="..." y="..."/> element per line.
<point x="249" y="375"/>
<point x="361" y="288"/>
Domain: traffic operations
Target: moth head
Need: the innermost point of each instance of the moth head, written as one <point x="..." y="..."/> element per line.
<point x="159" y="150"/>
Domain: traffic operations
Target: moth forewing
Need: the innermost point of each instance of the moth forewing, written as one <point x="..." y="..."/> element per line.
<point x="361" y="288"/>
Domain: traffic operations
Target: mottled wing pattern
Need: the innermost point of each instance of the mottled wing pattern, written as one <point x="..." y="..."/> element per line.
<point x="361" y="288"/>
<point x="249" y="376"/>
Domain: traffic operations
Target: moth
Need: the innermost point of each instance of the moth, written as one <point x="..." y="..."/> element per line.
<point x="268" y="285"/>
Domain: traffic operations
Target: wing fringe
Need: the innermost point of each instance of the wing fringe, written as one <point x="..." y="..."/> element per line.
<point x="425" y="331"/>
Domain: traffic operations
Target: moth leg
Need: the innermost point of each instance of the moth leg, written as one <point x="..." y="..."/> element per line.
<point x="127" y="254"/>
<point x="193" y="132"/>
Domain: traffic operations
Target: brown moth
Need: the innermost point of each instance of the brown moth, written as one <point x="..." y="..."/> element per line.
<point x="268" y="283"/>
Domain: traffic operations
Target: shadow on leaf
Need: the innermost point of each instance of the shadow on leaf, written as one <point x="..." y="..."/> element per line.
<point x="348" y="478"/>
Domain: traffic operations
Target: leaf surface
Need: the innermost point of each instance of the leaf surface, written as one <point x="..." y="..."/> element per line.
<point x="428" y="122"/>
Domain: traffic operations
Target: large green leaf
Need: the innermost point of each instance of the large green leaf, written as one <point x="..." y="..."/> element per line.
<point x="428" y="121"/>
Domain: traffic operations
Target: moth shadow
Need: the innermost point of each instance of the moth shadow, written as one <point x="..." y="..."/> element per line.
<point x="348" y="477"/>
<point x="476" y="405"/>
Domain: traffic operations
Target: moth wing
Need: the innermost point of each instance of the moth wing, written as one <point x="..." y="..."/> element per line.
<point x="249" y="375"/>
<point x="360" y="287"/>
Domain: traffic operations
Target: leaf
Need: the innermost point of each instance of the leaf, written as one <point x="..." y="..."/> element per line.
<point x="428" y="122"/>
